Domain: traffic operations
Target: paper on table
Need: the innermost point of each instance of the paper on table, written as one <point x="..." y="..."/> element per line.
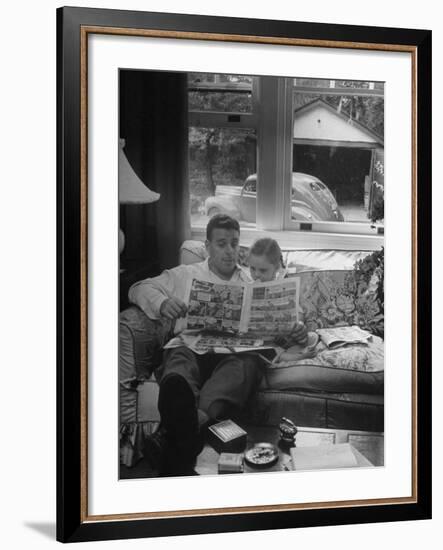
<point x="323" y="457"/>
<point x="336" y="337"/>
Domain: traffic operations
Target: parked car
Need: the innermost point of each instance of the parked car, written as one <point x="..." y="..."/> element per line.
<point x="311" y="200"/>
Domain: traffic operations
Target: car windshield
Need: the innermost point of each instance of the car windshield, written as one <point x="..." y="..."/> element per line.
<point x="251" y="186"/>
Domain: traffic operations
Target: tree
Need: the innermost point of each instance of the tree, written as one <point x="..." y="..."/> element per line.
<point x="368" y="110"/>
<point x="221" y="154"/>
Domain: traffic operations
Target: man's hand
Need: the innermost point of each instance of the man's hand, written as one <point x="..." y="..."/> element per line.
<point x="173" y="308"/>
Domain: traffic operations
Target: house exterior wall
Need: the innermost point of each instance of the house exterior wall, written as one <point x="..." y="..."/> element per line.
<point x="322" y="124"/>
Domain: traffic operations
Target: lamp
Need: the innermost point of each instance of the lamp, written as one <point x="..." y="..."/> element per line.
<point x="131" y="189"/>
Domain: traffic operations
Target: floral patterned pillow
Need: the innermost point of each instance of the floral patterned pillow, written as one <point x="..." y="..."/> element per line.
<point x="339" y="298"/>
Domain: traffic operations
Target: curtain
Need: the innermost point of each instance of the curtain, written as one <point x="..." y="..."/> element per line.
<point x="154" y="124"/>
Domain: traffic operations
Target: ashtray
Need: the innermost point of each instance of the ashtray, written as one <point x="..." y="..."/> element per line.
<point x="262" y="455"/>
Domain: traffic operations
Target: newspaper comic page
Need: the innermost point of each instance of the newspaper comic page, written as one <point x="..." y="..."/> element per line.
<point x="253" y="310"/>
<point x="272" y="308"/>
<point x="215" y="307"/>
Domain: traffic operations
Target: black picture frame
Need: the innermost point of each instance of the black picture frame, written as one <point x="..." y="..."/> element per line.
<point x="73" y="523"/>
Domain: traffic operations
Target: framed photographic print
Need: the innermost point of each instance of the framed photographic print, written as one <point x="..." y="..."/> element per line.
<point x="233" y="353"/>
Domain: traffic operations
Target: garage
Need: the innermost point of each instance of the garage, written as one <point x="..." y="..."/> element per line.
<point x="341" y="152"/>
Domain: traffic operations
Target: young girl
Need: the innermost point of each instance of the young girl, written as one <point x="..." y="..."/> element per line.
<point x="266" y="261"/>
<point x="266" y="264"/>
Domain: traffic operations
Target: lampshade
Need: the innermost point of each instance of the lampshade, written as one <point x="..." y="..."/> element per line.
<point x="131" y="189"/>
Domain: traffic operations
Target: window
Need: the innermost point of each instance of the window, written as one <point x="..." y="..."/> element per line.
<point x="338" y="133"/>
<point x="222" y="147"/>
<point x="288" y="154"/>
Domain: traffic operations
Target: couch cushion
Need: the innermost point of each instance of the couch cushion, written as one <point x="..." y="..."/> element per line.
<point x="321" y="378"/>
<point x="355" y="368"/>
<point x="317" y="260"/>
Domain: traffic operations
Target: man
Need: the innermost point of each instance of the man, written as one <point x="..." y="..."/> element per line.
<point x="195" y="390"/>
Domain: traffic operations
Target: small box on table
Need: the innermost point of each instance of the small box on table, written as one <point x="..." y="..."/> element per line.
<point x="230" y="463"/>
<point x="227" y="437"/>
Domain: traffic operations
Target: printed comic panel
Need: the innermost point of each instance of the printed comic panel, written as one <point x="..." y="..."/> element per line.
<point x="196" y="322"/>
<point x="214" y="324"/>
<point x="232" y="312"/>
<point x="215" y="309"/>
<point x="230" y="326"/>
<point x="228" y="295"/>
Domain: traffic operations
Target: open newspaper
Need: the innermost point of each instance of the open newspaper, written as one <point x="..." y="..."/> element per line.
<point x="238" y="316"/>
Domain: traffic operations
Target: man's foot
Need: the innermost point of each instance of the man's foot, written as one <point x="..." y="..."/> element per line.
<point x="163" y="457"/>
<point x="179" y="418"/>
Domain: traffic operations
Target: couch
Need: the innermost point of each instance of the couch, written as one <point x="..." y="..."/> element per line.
<point x="337" y="389"/>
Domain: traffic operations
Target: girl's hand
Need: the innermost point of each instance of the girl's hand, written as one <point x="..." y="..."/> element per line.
<point x="298" y="335"/>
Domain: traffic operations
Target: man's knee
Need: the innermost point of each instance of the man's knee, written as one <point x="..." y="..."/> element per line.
<point x="251" y="366"/>
<point x="181" y="360"/>
<point x="181" y="354"/>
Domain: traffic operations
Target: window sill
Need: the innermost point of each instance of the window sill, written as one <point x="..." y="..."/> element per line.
<point x="304" y="240"/>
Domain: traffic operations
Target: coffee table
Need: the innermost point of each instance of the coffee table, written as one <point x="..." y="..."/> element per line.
<point x="369" y="446"/>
